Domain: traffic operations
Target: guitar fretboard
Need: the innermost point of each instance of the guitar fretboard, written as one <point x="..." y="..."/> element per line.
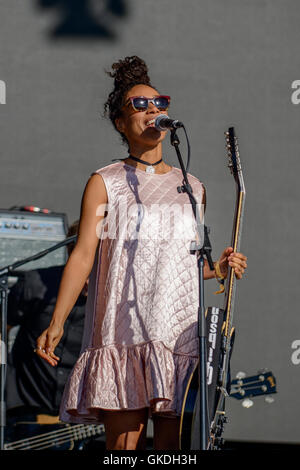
<point x="67" y="433"/>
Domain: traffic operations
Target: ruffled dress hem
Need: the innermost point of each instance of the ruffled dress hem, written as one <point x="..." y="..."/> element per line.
<point x="117" y="377"/>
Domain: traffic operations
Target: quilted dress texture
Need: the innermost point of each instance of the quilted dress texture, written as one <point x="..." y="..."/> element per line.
<point x="140" y="341"/>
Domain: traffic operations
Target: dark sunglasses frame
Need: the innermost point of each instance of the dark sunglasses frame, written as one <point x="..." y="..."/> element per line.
<point x="133" y="102"/>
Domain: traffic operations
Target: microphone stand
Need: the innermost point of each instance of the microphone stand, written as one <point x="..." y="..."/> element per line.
<point x="201" y="251"/>
<point x="4" y="272"/>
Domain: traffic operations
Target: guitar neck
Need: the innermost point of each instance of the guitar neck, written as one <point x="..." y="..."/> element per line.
<point x="230" y="288"/>
<point x="67" y="433"/>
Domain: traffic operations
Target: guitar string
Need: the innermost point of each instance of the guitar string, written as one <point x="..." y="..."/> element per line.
<point x="36" y="442"/>
<point x="43" y="439"/>
<point x="61" y="441"/>
<point x="74" y="428"/>
<point x="50" y="444"/>
<point x="252" y="387"/>
<point x="80" y="428"/>
<point x="251" y="382"/>
<point x="43" y="445"/>
<point x="240" y="202"/>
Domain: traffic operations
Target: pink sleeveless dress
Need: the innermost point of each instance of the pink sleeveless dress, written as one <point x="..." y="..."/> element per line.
<point x="140" y="336"/>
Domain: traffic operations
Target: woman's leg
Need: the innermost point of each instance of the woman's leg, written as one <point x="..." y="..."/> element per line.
<point x="126" y="430"/>
<point x="166" y="433"/>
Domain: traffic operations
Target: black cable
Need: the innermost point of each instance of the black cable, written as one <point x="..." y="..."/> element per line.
<point x="189" y="149"/>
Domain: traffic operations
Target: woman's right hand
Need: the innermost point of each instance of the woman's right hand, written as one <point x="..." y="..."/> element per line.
<point x="47" y="342"/>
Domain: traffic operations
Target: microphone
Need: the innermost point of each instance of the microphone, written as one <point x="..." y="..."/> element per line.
<point x="163" y="123"/>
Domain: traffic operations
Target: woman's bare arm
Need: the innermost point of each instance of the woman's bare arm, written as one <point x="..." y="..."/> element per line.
<point x="78" y="267"/>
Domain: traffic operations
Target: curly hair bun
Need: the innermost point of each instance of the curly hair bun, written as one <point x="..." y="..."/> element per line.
<point x="130" y="71"/>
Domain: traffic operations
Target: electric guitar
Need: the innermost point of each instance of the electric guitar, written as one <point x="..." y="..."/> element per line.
<point x="220" y="337"/>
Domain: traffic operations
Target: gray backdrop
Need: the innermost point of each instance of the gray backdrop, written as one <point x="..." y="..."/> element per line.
<point x="224" y="63"/>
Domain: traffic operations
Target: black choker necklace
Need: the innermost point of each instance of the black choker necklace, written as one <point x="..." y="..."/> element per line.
<point x="150" y="166"/>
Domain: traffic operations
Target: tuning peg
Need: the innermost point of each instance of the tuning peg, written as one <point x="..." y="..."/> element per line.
<point x="240" y="375"/>
<point x="247" y="403"/>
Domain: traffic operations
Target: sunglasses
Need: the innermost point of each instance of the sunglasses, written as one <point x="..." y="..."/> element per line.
<point x="141" y="103"/>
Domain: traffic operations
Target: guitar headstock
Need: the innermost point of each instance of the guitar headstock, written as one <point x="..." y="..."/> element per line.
<point x="263" y="383"/>
<point x="233" y="155"/>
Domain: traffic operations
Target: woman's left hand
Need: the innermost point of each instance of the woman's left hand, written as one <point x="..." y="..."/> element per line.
<point x="237" y="261"/>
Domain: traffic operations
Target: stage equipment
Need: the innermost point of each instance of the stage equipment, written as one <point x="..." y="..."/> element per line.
<point x="4" y="290"/>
